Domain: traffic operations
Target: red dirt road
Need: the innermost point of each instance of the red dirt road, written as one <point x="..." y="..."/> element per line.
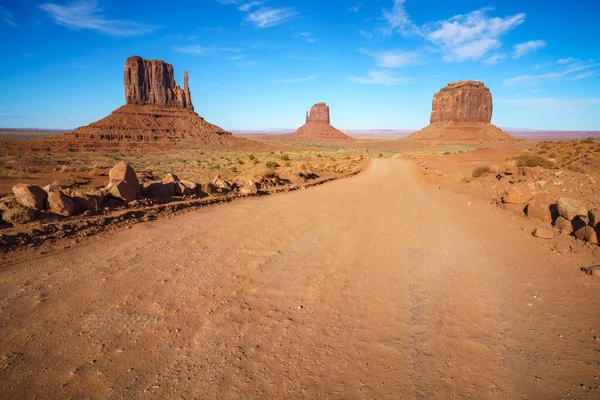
<point x="376" y="286"/>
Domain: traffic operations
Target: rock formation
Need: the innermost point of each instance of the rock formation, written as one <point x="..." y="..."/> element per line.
<point x="462" y="111"/>
<point x="318" y="126"/>
<point x="157" y="110"/>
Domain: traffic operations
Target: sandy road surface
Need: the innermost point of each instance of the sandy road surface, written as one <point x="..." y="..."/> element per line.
<point x="371" y="287"/>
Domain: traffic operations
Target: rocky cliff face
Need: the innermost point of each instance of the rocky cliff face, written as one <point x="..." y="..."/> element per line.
<point x="319" y="113"/>
<point x="151" y="82"/>
<point x="464" y="101"/>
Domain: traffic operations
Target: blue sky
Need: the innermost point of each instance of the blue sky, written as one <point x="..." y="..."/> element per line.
<point x="262" y="64"/>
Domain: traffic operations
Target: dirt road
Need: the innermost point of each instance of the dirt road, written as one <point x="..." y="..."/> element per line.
<point x="376" y="286"/>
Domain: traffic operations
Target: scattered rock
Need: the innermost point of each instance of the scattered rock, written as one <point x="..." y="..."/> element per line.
<point x="571" y="208"/>
<point x="587" y="234"/>
<point x="123" y="172"/>
<point x="172" y="188"/>
<point x="191" y="185"/>
<point x="157" y="189"/>
<point x="183" y="190"/>
<point x="221" y="184"/>
<point x="58" y="202"/>
<point x="563" y="225"/>
<point x="519" y="194"/>
<point x="210" y="189"/>
<point x="121" y="190"/>
<point x="594" y="217"/>
<point x="170" y="178"/>
<point x="592" y="271"/>
<point x="87" y="201"/>
<point x="542" y="208"/>
<point x="30" y="196"/>
<point x="544" y="233"/>
<point x="249" y="188"/>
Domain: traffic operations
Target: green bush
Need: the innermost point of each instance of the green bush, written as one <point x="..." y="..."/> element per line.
<point x="271" y="164"/>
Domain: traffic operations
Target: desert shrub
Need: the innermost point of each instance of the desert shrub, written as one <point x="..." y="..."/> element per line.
<point x="530" y="160"/>
<point x="552" y="155"/>
<point x="576" y="168"/>
<point x="271" y="164"/>
<point x="285" y="157"/>
<point x="481" y="171"/>
<point x="589" y="140"/>
<point x="251" y="157"/>
<point x="234" y="169"/>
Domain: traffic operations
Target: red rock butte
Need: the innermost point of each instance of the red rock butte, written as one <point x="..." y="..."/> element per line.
<point x="318" y="127"/>
<point x="157" y="110"/>
<point x="462" y="112"/>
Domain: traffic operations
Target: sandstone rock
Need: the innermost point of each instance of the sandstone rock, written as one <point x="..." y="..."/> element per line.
<point x="157" y="189"/>
<point x="587" y="234"/>
<point x="152" y="82"/>
<point x="18" y="215"/>
<point x="123" y="172"/>
<point x="58" y="202"/>
<point x="191" y="185"/>
<point x="519" y="194"/>
<point x="318" y="126"/>
<point x="172" y="188"/>
<point x="563" y="225"/>
<point x="170" y="178"/>
<point x="30" y="196"/>
<point x="570" y="208"/>
<point x="543" y="233"/>
<point x="121" y="190"/>
<point x="183" y="190"/>
<point x="249" y="188"/>
<point x="210" y="189"/>
<point x="541" y="207"/>
<point x="87" y="201"/>
<point x="221" y="183"/>
<point x="462" y="111"/>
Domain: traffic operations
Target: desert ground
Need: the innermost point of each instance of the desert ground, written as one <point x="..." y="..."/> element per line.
<point x="380" y="268"/>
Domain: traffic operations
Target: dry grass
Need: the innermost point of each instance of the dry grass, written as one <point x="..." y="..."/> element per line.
<point x="581" y="156"/>
<point x="481" y="171"/>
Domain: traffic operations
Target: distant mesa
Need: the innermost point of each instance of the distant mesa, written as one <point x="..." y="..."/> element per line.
<point x="462" y="112"/>
<point x="157" y="110"/>
<point x="318" y="126"/>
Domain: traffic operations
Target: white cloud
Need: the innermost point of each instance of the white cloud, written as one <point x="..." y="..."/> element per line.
<point x="365" y="34"/>
<point x="356" y="8"/>
<point x="7" y="16"/>
<point x="298" y="80"/>
<point x="393" y="59"/>
<point x="571" y="68"/>
<point x="266" y="17"/>
<point x="524" y="48"/>
<point x="384" y="78"/>
<point x="249" y="6"/>
<point x="85" y="14"/>
<point x="306" y="35"/>
<point x="495" y="59"/>
<point x="470" y="36"/>
<point x="397" y="20"/>
<point x="565" y="61"/>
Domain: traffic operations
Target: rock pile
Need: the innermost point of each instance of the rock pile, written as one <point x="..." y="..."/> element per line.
<point x="462" y="111"/>
<point x="318" y="127"/>
<point x="157" y="110"/>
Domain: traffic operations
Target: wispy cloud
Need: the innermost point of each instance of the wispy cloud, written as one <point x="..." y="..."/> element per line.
<point x="525" y="48"/>
<point x="397" y="20"/>
<point x="384" y="78"/>
<point x="307" y="36"/>
<point x="563" y="61"/>
<point x="298" y="80"/>
<point x="203" y="50"/>
<point x="495" y="59"/>
<point x="86" y="14"/>
<point x="356" y="8"/>
<point x="366" y="34"/>
<point x="237" y="57"/>
<point x="571" y="68"/>
<point x="393" y="59"/>
<point x="267" y="17"/>
<point x="471" y="36"/>
<point x="7" y="16"/>
<point x="249" y="6"/>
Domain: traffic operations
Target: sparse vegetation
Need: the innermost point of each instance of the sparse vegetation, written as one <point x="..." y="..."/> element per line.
<point x="532" y="160"/>
<point x="271" y="164"/>
<point x="481" y="171"/>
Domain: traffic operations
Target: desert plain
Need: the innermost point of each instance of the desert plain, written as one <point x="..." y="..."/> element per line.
<point x="187" y="262"/>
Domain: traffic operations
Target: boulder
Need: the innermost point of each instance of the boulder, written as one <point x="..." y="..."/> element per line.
<point x="91" y="201"/>
<point x="170" y="178"/>
<point x="543" y="233"/>
<point x="157" y="189"/>
<point x="30" y="196"/>
<point x="249" y="188"/>
<point x="221" y="183"/>
<point x="563" y="225"/>
<point x="58" y="202"/>
<point x="519" y="194"/>
<point x="183" y="190"/>
<point x="191" y="185"/>
<point x="594" y="217"/>
<point x="18" y="215"/>
<point x="587" y="234"/>
<point x="123" y="172"/>
<point x="172" y="188"/>
<point x="210" y="189"/>
<point x="542" y="207"/>
<point x="121" y="190"/>
<point x="570" y="208"/>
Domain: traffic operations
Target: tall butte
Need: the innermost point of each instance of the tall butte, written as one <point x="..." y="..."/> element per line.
<point x="318" y="126"/>
<point x="462" y="112"/>
<point x="157" y="110"/>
